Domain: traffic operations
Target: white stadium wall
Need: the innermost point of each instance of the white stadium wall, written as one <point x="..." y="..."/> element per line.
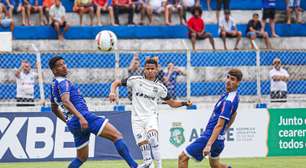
<point x="246" y="138"/>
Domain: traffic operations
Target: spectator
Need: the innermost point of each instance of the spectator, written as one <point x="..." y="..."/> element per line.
<point x="124" y="6"/>
<point x="25" y="80"/>
<point x="139" y="8"/>
<point x="225" y="7"/>
<point x="58" y="20"/>
<point x="82" y="7"/>
<point x="278" y="80"/>
<point x="170" y="79"/>
<point x="33" y="6"/>
<point x="104" y="6"/>
<point x="47" y="4"/>
<point x="188" y="5"/>
<point x="208" y="2"/>
<point x="254" y="29"/>
<point x="156" y="7"/>
<point x="172" y="6"/>
<point x="196" y="28"/>
<point x="228" y="28"/>
<point x="134" y="70"/>
<point x="19" y="8"/>
<point x="8" y="8"/>
<point x="269" y="13"/>
<point x="296" y="6"/>
<point x="6" y="22"/>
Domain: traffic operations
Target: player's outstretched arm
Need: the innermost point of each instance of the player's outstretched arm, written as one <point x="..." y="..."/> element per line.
<point x="58" y="112"/>
<point x="113" y="90"/>
<point x="214" y="136"/>
<point x="175" y="103"/>
<point x="70" y="107"/>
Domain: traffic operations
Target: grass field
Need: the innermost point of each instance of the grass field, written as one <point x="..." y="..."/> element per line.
<point x="271" y="162"/>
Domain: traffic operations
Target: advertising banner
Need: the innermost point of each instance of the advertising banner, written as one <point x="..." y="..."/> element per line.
<point x="246" y="138"/>
<point x="43" y="137"/>
<point x="287" y="132"/>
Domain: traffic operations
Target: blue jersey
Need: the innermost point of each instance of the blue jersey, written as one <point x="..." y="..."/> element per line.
<point x="267" y="4"/>
<point x="60" y="86"/>
<point x="225" y="107"/>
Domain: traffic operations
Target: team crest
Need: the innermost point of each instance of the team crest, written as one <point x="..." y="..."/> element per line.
<point x="177" y="134"/>
<point x="155" y="90"/>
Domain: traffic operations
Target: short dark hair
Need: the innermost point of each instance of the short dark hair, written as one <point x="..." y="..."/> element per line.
<point x="150" y="60"/>
<point x="53" y="61"/>
<point x="196" y="8"/>
<point x="227" y="12"/>
<point x="236" y="72"/>
<point x="256" y="14"/>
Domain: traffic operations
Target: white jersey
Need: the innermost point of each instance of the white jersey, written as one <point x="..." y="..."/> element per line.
<point x="278" y="85"/>
<point x="25" y="85"/>
<point x="145" y="94"/>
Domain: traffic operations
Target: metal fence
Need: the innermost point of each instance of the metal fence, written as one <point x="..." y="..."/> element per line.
<point x="196" y="75"/>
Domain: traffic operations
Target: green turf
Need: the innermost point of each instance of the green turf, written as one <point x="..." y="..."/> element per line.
<point x="271" y="162"/>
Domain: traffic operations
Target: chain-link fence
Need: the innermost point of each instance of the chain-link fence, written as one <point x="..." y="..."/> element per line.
<point x="198" y="75"/>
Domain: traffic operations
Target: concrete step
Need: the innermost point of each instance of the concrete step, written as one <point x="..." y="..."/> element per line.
<point x="241" y="16"/>
<point x="155" y="44"/>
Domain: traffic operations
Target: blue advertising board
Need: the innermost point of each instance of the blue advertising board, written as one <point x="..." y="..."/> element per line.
<point x="42" y="137"/>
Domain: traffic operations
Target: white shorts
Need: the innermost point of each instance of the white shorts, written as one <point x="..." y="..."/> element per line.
<point x="141" y="128"/>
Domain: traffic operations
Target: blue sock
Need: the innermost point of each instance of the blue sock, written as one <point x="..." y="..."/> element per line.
<point x="124" y="153"/>
<point x="75" y="163"/>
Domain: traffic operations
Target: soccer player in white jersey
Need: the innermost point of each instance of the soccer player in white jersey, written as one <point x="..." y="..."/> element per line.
<point x="146" y="90"/>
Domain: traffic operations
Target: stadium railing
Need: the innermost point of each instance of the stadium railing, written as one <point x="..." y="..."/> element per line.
<point x="204" y="79"/>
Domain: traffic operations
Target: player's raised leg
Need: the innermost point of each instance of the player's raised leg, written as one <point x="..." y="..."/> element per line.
<point x="154" y="143"/>
<point x="111" y="133"/>
<point x="183" y="160"/>
<point x="82" y="155"/>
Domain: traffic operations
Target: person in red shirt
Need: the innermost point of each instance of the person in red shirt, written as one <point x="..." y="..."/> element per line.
<point x="103" y="6"/>
<point x="124" y="6"/>
<point x="196" y="27"/>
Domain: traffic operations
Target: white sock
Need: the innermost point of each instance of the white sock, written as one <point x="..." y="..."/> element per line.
<point x="153" y="139"/>
<point x="146" y="153"/>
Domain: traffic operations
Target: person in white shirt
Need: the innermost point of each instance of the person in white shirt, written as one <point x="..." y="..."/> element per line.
<point x="146" y="91"/>
<point x="278" y="81"/>
<point x="58" y="21"/>
<point x="228" y="28"/>
<point x="154" y="7"/>
<point x="25" y="80"/>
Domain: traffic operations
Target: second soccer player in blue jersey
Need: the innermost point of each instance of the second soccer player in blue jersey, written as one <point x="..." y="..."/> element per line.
<point x="211" y="141"/>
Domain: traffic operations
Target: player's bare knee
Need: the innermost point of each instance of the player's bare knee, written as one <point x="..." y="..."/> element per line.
<point x="83" y="156"/>
<point x="116" y="135"/>
<point x="183" y="157"/>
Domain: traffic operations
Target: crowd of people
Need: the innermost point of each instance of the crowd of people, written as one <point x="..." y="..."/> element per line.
<point x="52" y="12"/>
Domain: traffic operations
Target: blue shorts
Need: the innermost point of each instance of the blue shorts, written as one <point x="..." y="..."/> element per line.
<point x="195" y="149"/>
<point x="249" y="34"/>
<point x="95" y="126"/>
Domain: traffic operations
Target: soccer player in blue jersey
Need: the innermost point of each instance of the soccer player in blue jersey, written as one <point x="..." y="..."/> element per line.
<point x="79" y="120"/>
<point x="211" y="141"/>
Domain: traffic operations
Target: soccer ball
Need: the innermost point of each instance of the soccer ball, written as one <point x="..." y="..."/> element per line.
<point x="106" y="40"/>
